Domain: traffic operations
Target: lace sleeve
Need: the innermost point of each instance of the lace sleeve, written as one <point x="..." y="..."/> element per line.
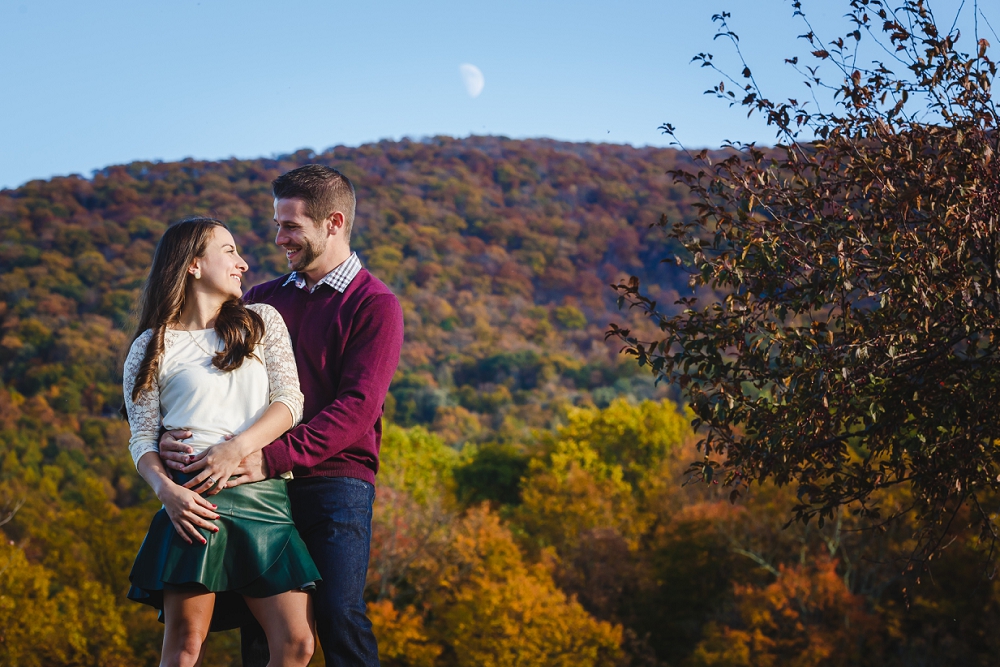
<point x="282" y="374"/>
<point x="143" y="413"/>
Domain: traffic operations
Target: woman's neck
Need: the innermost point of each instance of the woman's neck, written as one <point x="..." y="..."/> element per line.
<point x="200" y="312"/>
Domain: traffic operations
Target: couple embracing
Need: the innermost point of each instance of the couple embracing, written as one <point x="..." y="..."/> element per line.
<point x="271" y="402"/>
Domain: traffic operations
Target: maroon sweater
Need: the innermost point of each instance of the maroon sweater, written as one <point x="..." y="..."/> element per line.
<point x="347" y="349"/>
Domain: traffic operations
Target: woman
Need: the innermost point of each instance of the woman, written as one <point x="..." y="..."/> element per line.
<point x="204" y="362"/>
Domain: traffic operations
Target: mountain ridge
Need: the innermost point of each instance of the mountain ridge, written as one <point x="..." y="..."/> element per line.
<point x="492" y="245"/>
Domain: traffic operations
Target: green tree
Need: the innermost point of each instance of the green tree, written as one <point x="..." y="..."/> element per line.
<point x="842" y="332"/>
<point x="492" y="473"/>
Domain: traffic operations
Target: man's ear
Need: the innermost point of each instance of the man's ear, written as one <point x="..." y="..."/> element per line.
<point x="335" y="223"/>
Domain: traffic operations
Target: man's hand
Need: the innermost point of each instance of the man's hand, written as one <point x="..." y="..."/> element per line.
<point x="252" y="469"/>
<point x="214" y="466"/>
<point x="174" y="453"/>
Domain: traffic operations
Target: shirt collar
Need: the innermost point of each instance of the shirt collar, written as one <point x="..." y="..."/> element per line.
<point x="338" y="279"/>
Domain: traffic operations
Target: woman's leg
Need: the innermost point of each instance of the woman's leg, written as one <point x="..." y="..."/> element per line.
<point x="186" y="615"/>
<point x="287" y="619"/>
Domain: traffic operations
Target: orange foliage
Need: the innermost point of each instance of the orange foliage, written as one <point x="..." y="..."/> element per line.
<point x="805" y="618"/>
<point x="402" y="639"/>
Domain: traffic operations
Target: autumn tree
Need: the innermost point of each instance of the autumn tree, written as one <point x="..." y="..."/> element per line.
<point x="806" y="617"/>
<point x="46" y="624"/>
<point x="453" y="589"/>
<point x="595" y="471"/>
<point x="492" y="608"/>
<point x="842" y="329"/>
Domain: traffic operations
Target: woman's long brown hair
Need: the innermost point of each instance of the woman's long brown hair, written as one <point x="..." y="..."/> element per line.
<point x="163" y="297"/>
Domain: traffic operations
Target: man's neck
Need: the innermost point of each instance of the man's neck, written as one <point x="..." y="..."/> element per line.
<point x="324" y="265"/>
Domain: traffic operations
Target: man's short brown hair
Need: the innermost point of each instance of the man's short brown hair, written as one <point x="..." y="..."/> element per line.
<point x="322" y="189"/>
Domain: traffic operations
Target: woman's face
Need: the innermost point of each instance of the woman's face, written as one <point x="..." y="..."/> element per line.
<point x="221" y="266"/>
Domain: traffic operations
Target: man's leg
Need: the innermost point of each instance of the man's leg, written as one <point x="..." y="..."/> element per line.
<point x="334" y="517"/>
<point x="253" y="645"/>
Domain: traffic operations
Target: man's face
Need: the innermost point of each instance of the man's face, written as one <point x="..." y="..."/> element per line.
<point x="301" y="238"/>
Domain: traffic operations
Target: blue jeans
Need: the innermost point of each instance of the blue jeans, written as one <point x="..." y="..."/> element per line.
<point x="334" y="518"/>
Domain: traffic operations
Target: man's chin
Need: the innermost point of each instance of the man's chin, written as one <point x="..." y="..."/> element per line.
<point x="300" y="265"/>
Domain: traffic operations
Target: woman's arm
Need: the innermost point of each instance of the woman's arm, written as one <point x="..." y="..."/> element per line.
<point x="143" y="411"/>
<point x="218" y="463"/>
<point x="187" y="510"/>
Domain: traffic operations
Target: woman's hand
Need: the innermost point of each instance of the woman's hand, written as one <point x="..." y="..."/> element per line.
<point x="187" y="511"/>
<point x="217" y="464"/>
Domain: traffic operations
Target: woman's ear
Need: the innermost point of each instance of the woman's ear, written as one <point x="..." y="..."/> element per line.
<point x="195" y="270"/>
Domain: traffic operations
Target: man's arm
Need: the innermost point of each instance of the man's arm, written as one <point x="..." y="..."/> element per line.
<point x="370" y="360"/>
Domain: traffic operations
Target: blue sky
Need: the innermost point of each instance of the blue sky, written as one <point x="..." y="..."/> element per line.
<point x="87" y="83"/>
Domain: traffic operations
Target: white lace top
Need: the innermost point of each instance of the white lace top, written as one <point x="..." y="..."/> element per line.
<point x="190" y="393"/>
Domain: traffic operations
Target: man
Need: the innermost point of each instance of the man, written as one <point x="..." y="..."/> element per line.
<point x="347" y="331"/>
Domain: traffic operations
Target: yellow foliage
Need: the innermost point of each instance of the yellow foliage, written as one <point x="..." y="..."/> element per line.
<point x="402" y="640"/>
<point x="494" y="610"/>
<point x="601" y="468"/>
<point x="636" y="437"/>
<point x="573" y="493"/>
<point x="41" y="626"/>
<point x="417" y="462"/>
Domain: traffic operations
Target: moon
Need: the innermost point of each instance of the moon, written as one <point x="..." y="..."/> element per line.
<point x="472" y="78"/>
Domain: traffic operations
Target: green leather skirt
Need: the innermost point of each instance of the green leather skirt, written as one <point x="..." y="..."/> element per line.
<point x="256" y="553"/>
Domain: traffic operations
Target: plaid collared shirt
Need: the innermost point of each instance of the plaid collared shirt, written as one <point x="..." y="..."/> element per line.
<point x="338" y="279"/>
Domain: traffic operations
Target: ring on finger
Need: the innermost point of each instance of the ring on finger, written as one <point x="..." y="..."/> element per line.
<point x="211" y="480"/>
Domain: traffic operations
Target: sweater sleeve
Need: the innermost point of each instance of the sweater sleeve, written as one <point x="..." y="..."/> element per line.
<point x="144" y="411"/>
<point x="369" y="362"/>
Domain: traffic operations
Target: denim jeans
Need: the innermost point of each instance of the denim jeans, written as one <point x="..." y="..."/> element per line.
<point x="334" y="518"/>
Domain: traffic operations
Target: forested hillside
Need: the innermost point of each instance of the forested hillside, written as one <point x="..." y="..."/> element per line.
<point x="531" y="508"/>
<point x="501" y="252"/>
